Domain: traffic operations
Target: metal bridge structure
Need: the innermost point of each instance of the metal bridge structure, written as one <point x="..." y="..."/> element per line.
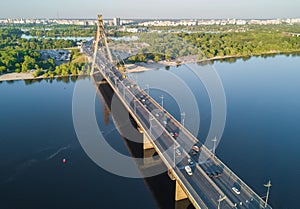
<point x="208" y="184"/>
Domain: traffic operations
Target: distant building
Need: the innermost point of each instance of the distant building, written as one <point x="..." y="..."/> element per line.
<point x="117" y="21"/>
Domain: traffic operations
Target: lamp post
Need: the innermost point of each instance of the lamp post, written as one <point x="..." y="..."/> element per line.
<point x="175" y="147"/>
<point x="268" y="185"/>
<point x="162" y="101"/>
<point x="214" y="146"/>
<point x="182" y="118"/>
<point x="147" y="88"/>
<point x="150" y="119"/>
<point x="134" y="103"/>
<point x="220" y="200"/>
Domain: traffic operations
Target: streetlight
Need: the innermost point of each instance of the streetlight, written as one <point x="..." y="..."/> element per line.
<point x="214" y="140"/>
<point x="268" y="185"/>
<point x="162" y="101"/>
<point x="220" y="200"/>
<point x="175" y="147"/>
<point x="182" y="118"/>
<point x="147" y="88"/>
<point x="150" y="119"/>
<point x="134" y="103"/>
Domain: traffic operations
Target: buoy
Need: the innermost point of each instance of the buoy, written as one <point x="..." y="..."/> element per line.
<point x="64" y="160"/>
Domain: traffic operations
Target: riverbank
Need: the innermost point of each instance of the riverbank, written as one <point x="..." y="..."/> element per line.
<point x="28" y="76"/>
<point x="151" y="65"/>
<point x="141" y="66"/>
<point x="16" y="76"/>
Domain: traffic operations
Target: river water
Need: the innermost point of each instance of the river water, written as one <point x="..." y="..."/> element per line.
<point x="261" y="139"/>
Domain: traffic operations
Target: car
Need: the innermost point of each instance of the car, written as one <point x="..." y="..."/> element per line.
<point x="209" y="174"/>
<point x="236" y="190"/>
<point x="218" y="173"/>
<point x="188" y="170"/>
<point x="178" y="152"/>
<point x="192" y="152"/>
<point x="196" y="148"/>
<point x="190" y="162"/>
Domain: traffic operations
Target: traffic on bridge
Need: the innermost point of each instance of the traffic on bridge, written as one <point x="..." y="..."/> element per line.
<point x="207" y="181"/>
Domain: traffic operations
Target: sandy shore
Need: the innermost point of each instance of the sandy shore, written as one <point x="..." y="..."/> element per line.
<point x="16" y="76"/>
<point x="141" y="66"/>
<point x="137" y="67"/>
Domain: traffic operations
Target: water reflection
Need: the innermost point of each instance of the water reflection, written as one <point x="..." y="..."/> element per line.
<point x="161" y="186"/>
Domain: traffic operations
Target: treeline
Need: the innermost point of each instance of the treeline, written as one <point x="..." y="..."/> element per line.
<point x="163" y="46"/>
<point x="42" y="44"/>
<point x="65" y="69"/>
<point x="19" y="60"/>
<point x="62" y="31"/>
<point x="256" y="41"/>
<point x="11" y="39"/>
<point x="140" y="57"/>
<point x="72" y="31"/>
<point x="21" y="55"/>
<point x="242" y="44"/>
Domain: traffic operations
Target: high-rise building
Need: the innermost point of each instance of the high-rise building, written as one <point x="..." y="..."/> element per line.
<point x="117" y="21"/>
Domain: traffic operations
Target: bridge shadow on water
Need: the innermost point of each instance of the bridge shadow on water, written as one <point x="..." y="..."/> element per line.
<point x="161" y="186"/>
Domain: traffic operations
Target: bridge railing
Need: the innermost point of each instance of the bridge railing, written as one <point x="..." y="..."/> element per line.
<point x="188" y="137"/>
<point x="169" y="155"/>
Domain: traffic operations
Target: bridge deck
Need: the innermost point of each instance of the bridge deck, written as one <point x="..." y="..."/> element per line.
<point x="160" y="126"/>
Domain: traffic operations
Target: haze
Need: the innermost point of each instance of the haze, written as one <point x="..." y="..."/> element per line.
<point x="150" y="9"/>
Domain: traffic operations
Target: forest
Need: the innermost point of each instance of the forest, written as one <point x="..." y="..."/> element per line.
<point x="21" y="55"/>
<point x="232" y="42"/>
<point x="18" y="54"/>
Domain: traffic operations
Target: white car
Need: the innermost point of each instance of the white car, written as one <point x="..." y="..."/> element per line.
<point x="236" y="190"/>
<point x="188" y="170"/>
<point x="178" y="152"/>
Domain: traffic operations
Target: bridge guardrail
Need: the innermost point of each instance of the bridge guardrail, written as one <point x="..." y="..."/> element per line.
<point x="188" y="135"/>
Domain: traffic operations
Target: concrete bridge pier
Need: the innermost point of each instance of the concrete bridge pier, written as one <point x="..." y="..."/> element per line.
<point x="179" y="193"/>
<point x="146" y="142"/>
<point x="182" y="204"/>
<point x="149" y="151"/>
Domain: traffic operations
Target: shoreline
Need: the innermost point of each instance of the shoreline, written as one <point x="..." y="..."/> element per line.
<point x="151" y="65"/>
<point x="141" y="67"/>
<point x="28" y="76"/>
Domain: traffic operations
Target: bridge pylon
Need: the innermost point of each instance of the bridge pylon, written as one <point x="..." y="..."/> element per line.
<point x="100" y="37"/>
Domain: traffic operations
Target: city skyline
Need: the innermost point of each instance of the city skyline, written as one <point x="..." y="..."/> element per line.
<point x="190" y="9"/>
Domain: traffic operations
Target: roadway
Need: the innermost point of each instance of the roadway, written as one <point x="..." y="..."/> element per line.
<point x="211" y="179"/>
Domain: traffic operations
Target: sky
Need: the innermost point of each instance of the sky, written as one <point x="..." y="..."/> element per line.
<point x="160" y="9"/>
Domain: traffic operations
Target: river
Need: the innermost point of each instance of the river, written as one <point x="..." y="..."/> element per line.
<point x="260" y="139"/>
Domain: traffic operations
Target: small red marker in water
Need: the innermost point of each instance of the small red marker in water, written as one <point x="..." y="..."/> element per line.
<point x="64" y="160"/>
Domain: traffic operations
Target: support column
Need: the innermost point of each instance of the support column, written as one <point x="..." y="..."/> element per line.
<point x="182" y="204"/>
<point x="171" y="175"/>
<point x="146" y="142"/>
<point x="179" y="193"/>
